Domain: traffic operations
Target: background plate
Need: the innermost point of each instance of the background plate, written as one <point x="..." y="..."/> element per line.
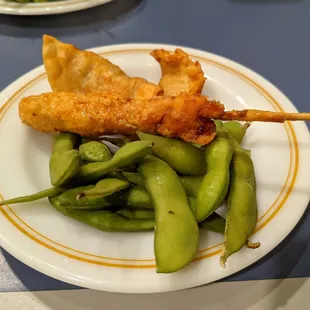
<point x="47" y="8"/>
<point x="124" y="262"/>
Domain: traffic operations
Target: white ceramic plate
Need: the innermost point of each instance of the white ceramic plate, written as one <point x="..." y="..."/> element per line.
<point x="47" y="8"/>
<point x="124" y="262"/>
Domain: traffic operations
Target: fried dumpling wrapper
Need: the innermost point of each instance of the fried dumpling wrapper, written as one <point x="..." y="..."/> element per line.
<point x="72" y="70"/>
<point x="179" y="73"/>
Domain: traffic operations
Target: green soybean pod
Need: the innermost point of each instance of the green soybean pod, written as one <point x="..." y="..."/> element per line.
<point x="119" y="140"/>
<point x="137" y="214"/>
<point x="241" y="215"/>
<point x="176" y="234"/>
<point x="33" y="197"/>
<point x="214" y="223"/>
<point x="136" y="197"/>
<point x="181" y="156"/>
<point x="65" y="141"/>
<point x="94" y="151"/>
<point x="104" y="188"/>
<point x="215" y="184"/>
<point x="65" y="161"/>
<point x="133" y="177"/>
<point x="116" y="174"/>
<point x="191" y="203"/>
<point x="104" y="220"/>
<point x="236" y="130"/>
<point x="68" y="199"/>
<point x="126" y="156"/>
<point x="219" y="125"/>
<point x="191" y="185"/>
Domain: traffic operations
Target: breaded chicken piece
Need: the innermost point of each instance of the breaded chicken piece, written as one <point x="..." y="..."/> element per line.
<point x="179" y="73"/>
<point x="72" y="70"/>
<point x="185" y="116"/>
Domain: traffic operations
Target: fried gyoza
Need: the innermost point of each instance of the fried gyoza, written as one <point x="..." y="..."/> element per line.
<point x="179" y="73"/>
<point x="184" y="116"/>
<point x="72" y="70"/>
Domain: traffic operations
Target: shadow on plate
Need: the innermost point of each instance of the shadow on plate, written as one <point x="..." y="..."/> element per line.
<point x="75" y="23"/>
<point x="211" y="297"/>
<point x="227" y="295"/>
<point x="31" y="279"/>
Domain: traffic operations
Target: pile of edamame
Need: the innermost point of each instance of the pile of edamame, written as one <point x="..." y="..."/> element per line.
<point x="158" y="183"/>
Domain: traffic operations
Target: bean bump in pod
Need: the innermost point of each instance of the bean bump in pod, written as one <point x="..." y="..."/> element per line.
<point x="94" y="151"/>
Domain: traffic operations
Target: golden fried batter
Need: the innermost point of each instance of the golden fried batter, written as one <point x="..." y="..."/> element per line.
<point x="72" y="70"/>
<point x="185" y="116"/>
<point x="179" y="73"/>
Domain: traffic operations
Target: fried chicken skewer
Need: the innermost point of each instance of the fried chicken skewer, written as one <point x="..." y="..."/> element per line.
<point x="188" y="117"/>
<point x="185" y="116"/>
<point x="263" y="116"/>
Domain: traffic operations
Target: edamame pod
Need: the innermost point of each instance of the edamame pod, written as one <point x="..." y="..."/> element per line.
<point x="104" y="188"/>
<point x="103" y="219"/>
<point x="94" y="151"/>
<point x="236" y="130"/>
<point x="115" y="174"/>
<point x="127" y="155"/>
<point x="37" y="196"/>
<point x="191" y="203"/>
<point x="191" y="185"/>
<point x="133" y="177"/>
<point x="219" y="125"/>
<point x="68" y="199"/>
<point x="214" y="223"/>
<point x="132" y="152"/>
<point x="215" y="184"/>
<point x="181" y="156"/>
<point x="241" y="215"/>
<point x="65" y="161"/>
<point x="65" y="141"/>
<point x="119" y="140"/>
<point x="136" y="197"/>
<point x="137" y="214"/>
<point x="176" y="233"/>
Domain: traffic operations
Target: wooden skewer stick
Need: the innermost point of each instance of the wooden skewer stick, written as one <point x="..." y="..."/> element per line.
<point x="263" y="116"/>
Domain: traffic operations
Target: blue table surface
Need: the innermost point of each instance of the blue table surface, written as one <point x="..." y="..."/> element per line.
<point x="269" y="36"/>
